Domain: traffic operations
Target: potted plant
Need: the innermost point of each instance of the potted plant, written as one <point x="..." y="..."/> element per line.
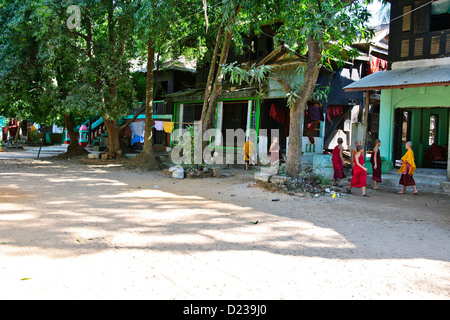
<point x="2" y="145"/>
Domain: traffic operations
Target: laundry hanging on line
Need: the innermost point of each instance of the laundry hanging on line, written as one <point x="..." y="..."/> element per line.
<point x="138" y="132"/>
<point x="281" y="115"/>
<point x="334" y="111"/>
<point x="315" y="113"/>
<point x="168" y="127"/>
<point x="159" y="125"/>
<point x="138" y="129"/>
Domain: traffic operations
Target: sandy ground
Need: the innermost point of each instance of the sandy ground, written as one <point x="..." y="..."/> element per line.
<point x="69" y="230"/>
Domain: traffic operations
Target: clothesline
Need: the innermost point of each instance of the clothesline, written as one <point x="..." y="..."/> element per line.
<point x="159" y="125"/>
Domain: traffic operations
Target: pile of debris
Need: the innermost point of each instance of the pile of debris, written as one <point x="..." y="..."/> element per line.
<point x="309" y="183"/>
<point x="178" y="172"/>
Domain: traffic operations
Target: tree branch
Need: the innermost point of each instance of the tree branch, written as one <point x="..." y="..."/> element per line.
<point x="79" y="34"/>
<point x="128" y="122"/>
<point x="287" y="88"/>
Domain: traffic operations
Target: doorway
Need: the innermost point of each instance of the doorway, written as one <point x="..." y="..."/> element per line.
<point x="402" y="131"/>
<point x="428" y="130"/>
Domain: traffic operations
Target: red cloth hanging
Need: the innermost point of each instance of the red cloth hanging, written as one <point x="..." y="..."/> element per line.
<point x="334" y="111"/>
<point x="376" y="64"/>
<point x="281" y="115"/>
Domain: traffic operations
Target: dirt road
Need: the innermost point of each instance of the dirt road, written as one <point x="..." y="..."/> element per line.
<point x="74" y="231"/>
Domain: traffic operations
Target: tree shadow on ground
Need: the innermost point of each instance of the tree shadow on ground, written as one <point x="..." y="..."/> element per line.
<point x="65" y="209"/>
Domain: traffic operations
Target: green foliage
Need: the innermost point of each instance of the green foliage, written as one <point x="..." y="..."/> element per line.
<point x="139" y="83"/>
<point x="335" y="25"/>
<point x="320" y="93"/>
<point x="253" y="75"/>
<point x="33" y="135"/>
<point x="259" y="75"/>
<point x="47" y="70"/>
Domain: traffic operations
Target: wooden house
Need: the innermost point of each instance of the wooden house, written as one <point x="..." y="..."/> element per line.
<point x="415" y="92"/>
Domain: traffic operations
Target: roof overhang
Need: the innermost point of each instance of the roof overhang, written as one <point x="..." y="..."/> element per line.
<point x="438" y="75"/>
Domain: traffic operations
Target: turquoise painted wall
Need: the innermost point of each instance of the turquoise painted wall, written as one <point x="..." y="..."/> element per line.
<point x="411" y="98"/>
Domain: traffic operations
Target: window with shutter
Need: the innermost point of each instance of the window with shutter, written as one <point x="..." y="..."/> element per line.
<point x="447" y="43"/>
<point x="418" y="47"/>
<point x="406" y="26"/>
<point x="420" y="18"/>
<point x="435" y="44"/>
<point x="404" y="49"/>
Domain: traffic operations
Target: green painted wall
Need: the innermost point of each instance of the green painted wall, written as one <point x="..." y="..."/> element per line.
<point x="414" y="99"/>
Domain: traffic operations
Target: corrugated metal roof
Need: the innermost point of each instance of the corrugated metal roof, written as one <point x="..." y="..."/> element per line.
<point x="403" y="78"/>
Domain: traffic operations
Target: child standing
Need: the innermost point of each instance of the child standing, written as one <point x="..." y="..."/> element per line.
<point x="407" y="169"/>
<point x="338" y="163"/>
<point x="352" y="160"/>
<point x="375" y="159"/>
<point x="359" y="178"/>
<point x="249" y="152"/>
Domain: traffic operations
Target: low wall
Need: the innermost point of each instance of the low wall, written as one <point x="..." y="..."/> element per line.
<point x="321" y="163"/>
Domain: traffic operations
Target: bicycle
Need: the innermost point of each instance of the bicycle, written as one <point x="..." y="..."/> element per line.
<point x="11" y="144"/>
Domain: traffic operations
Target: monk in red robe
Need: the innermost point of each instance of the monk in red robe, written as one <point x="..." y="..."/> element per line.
<point x="407" y="169"/>
<point x="338" y="163"/>
<point x="359" y="178"/>
<point x="375" y="160"/>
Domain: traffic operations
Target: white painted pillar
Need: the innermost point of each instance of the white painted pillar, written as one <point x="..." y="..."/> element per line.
<point x="180" y="119"/>
<point x="219" y="120"/>
<point x="249" y="119"/>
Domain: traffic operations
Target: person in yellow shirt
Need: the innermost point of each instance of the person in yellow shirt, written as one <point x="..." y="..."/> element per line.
<point x="249" y="151"/>
<point x="407" y="169"/>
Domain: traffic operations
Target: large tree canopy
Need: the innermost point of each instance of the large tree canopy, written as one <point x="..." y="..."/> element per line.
<point x="50" y="67"/>
<point x="321" y="30"/>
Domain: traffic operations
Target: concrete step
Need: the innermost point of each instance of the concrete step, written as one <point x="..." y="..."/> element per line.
<point x="424" y="182"/>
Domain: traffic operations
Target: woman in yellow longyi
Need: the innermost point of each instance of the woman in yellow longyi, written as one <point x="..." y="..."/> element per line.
<point x="407" y="169"/>
<point x="249" y="152"/>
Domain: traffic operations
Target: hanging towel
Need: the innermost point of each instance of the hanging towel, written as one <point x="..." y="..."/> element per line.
<point x="159" y="125"/>
<point x="138" y="132"/>
<point x="315" y="113"/>
<point x="334" y="111"/>
<point x="280" y="115"/>
<point x="168" y="126"/>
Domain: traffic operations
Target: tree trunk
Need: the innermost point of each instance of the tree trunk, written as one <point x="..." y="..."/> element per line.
<point x="294" y="158"/>
<point x="113" y="138"/>
<point x="74" y="149"/>
<point x="212" y="96"/>
<point x="217" y="88"/>
<point x="16" y="137"/>
<point x="148" y="159"/>
<point x="211" y="75"/>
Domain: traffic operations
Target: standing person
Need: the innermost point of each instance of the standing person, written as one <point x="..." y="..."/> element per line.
<point x="375" y="159"/>
<point x="338" y="163"/>
<point x="359" y="178"/>
<point x="249" y="151"/>
<point x="407" y="169"/>
<point x="275" y="152"/>
<point x="357" y="143"/>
